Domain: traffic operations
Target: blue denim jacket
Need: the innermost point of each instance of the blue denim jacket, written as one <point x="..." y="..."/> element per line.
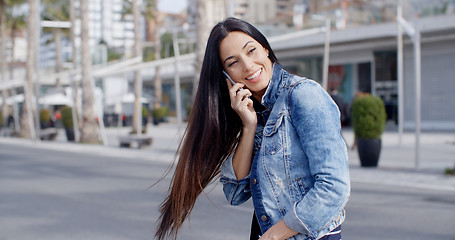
<point x="299" y="170"/>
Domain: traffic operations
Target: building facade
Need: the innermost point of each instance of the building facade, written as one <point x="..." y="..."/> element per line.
<point x="365" y="59"/>
<point x="106" y="24"/>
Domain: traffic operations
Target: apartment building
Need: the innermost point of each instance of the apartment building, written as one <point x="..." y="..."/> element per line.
<point x="106" y="25"/>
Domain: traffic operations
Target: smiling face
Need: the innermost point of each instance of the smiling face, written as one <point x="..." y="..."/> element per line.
<point x="246" y="61"/>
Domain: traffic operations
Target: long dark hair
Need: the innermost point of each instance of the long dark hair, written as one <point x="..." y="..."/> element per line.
<point x="211" y="135"/>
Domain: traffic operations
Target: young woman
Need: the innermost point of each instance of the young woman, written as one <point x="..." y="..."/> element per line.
<point x="274" y="136"/>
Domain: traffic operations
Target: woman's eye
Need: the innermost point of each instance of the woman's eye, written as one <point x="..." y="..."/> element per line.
<point x="251" y="50"/>
<point x="232" y="63"/>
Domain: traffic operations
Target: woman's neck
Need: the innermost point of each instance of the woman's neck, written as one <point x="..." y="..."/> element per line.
<point x="258" y="95"/>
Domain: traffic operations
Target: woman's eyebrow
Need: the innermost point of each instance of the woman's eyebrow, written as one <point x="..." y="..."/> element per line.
<point x="246" y="44"/>
<point x="227" y="59"/>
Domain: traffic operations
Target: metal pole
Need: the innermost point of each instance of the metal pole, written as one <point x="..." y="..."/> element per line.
<point x="138" y="89"/>
<point x="418" y="96"/>
<point x="177" y="79"/>
<point x="414" y="33"/>
<point x="400" y="77"/>
<point x="325" y="71"/>
<point x="373" y="77"/>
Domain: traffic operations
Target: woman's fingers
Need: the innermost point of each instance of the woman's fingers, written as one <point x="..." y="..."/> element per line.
<point x="240" y="98"/>
<point x="234" y="89"/>
<point x="243" y="93"/>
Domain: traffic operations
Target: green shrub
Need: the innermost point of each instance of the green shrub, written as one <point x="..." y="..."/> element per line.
<point x="44" y="115"/>
<point x="1" y="119"/>
<point x="145" y="111"/>
<point x="160" y="112"/>
<point x="67" y="117"/>
<point x="368" y="117"/>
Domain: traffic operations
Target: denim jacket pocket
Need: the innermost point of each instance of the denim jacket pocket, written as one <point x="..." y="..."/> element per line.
<point x="273" y="137"/>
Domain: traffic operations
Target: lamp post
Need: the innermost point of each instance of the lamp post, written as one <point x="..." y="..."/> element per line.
<point x="325" y="72"/>
<point x="178" y="101"/>
<point x="413" y="33"/>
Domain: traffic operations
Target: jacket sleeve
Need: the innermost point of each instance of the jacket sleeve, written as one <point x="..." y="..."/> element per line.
<point x="316" y="119"/>
<point x="236" y="191"/>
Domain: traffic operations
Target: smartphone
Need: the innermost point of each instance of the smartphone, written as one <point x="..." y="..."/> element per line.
<point x="233" y="83"/>
<point x="227" y="75"/>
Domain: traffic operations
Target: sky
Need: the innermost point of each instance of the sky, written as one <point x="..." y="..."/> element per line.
<point x="172" y="6"/>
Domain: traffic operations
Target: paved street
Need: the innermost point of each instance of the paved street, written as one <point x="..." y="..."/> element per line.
<point x="378" y="212"/>
<point x="46" y="194"/>
<point x="57" y="190"/>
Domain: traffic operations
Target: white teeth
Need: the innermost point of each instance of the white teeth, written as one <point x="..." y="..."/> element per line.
<point x="255" y="75"/>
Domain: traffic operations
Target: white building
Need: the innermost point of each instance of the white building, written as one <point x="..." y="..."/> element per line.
<point x="105" y="24"/>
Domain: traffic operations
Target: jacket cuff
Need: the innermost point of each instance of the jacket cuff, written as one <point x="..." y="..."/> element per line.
<point x="228" y="173"/>
<point x="295" y="223"/>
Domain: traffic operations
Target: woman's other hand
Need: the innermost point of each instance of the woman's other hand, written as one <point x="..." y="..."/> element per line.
<point x="279" y="231"/>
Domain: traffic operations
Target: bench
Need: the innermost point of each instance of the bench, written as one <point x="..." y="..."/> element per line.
<point x="7" y="132"/>
<point x="138" y="141"/>
<point x="48" y="134"/>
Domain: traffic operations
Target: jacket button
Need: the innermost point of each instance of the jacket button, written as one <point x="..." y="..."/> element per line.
<point x="264" y="218"/>
<point x="255" y="181"/>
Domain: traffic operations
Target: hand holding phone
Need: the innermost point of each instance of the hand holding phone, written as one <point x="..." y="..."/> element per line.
<point x="248" y="115"/>
<point x="229" y="77"/>
<point x="233" y="83"/>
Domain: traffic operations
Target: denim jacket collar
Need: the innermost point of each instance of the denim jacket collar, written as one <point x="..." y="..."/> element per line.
<point x="275" y="87"/>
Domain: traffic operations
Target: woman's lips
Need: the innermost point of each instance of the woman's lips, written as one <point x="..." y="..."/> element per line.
<point x="255" y="76"/>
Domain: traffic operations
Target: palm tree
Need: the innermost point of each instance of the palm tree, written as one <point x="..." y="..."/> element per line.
<point x="15" y="24"/>
<point x="4" y="4"/>
<point x="89" y="131"/>
<point x="27" y="126"/>
<point x="201" y="42"/>
<point x="154" y="22"/>
<point x="4" y="66"/>
<point x="156" y="19"/>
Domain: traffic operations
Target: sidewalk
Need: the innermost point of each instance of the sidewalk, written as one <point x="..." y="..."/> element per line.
<point x="396" y="164"/>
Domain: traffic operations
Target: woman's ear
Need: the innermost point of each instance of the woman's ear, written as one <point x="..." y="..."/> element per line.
<point x="266" y="51"/>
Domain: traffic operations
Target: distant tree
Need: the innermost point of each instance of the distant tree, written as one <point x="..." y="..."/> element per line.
<point x="14" y="23"/>
<point x="4" y="67"/>
<point x="153" y="21"/>
<point x="5" y="22"/>
<point x="158" y="85"/>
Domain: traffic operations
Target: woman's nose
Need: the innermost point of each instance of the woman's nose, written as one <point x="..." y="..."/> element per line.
<point x="248" y="65"/>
